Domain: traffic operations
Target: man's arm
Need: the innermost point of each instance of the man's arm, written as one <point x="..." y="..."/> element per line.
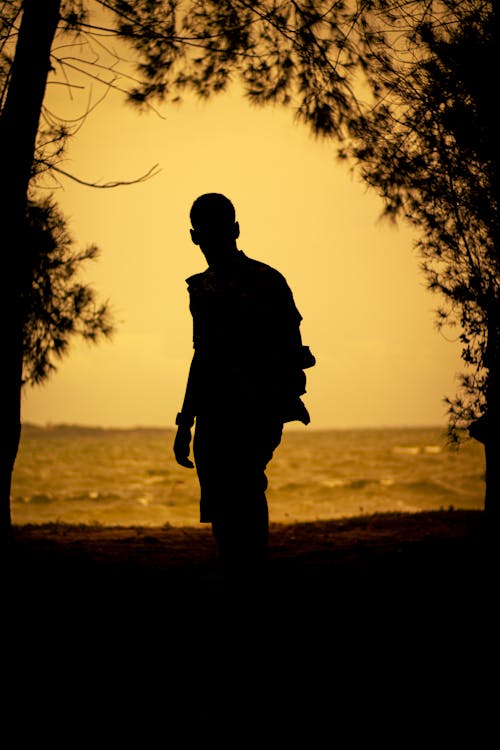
<point x="291" y="357"/>
<point x="185" y="420"/>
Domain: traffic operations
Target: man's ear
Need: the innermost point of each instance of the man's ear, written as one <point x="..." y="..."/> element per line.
<point x="194" y="236"/>
<point x="236" y="230"/>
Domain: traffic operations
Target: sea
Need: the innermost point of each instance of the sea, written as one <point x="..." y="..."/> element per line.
<point x="73" y="474"/>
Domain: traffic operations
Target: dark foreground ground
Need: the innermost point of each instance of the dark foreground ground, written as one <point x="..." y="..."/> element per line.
<point x="379" y="629"/>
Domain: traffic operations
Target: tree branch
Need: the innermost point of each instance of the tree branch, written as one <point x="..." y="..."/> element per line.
<point x="105" y="185"/>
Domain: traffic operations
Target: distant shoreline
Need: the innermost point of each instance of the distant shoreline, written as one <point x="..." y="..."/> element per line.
<point x="77" y="427"/>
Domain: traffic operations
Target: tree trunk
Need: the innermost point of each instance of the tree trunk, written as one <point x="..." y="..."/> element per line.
<point x="492" y="447"/>
<point x="492" y="476"/>
<point x="19" y="123"/>
<point x="492" y="416"/>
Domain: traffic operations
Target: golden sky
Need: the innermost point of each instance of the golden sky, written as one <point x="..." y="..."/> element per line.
<point x="366" y="313"/>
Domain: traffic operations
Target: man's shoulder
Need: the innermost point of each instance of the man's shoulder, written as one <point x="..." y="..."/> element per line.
<point x="202" y="281"/>
<point x="256" y="270"/>
<point x="262" y="271"/>
<point x="196" y="278"/>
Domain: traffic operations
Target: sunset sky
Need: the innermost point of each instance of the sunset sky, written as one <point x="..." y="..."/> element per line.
<point x="366" y="313"/>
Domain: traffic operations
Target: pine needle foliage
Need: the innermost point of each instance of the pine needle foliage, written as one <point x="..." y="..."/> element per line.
<point x="58" y="306"/>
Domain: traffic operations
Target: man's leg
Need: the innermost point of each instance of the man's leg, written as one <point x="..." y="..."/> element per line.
<point x="242" y="526"/>
<point x="231" y="470"/>
<point x="241" y="530"/>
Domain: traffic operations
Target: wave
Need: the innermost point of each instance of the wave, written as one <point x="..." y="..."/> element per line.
<point x="48" y="498"/>
<point x="420" y="486"/>
<point x="75" y="474"/>
<point x="356" y="483"/>
<point x="415" y="450"/>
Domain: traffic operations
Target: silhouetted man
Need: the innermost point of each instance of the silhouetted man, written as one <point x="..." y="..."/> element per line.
<point x="245" y="381"/>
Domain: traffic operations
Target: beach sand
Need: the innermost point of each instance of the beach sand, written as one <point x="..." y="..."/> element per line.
<point x="425" y="548"/>
<point x="362" y="625"/>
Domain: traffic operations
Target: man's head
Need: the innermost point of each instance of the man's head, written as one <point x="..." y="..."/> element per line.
<point x="214" y="226"/>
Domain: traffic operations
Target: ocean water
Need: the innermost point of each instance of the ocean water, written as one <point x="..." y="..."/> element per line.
<point x="129" y="477"/>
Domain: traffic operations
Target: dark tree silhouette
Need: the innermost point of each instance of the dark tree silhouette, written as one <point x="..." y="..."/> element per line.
<point x="19" y="121"/>
<point x="58" y="307"/>
<point x="32" y="142"/>
<point x="429" y="147"/>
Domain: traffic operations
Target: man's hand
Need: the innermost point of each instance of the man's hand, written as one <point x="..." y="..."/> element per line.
<point x="182" y="444"/>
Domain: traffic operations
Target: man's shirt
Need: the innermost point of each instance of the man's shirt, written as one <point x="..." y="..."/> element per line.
<point x="247" y="342"/>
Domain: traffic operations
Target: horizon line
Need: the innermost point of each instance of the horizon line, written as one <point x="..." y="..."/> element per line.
<point x="151" y="427"/>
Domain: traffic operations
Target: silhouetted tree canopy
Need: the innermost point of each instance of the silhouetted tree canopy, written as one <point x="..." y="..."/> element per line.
<point x="58" y="307"/>
<point x="55" y="306"/>
<point x="428" y="146"/>
<point x="301" y="54"/>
